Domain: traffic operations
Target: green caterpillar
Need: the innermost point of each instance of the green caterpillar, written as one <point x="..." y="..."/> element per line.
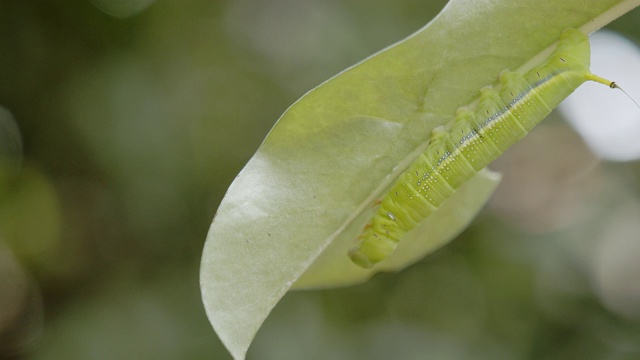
<point x="505" y="113"/>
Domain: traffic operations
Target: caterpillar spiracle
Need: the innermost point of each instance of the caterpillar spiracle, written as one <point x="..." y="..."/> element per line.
<point x="474" y="137"/>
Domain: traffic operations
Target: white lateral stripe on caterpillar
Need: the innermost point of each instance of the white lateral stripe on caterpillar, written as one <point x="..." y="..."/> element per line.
<point x="505" y="113"/>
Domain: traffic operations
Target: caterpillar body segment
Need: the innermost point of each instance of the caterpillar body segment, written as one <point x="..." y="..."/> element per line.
<point x="474" y="137"/>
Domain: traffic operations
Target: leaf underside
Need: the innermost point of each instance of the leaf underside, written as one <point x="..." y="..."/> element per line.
<point x="295" y="209"/>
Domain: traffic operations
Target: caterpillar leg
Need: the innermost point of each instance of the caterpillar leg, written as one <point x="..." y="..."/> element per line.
<point x="363" y="255"/>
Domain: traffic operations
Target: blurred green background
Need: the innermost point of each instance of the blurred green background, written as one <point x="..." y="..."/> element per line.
<point x="135" y="116"/>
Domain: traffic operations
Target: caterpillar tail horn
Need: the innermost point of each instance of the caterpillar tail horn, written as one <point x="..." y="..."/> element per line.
<point x="611" y="84"/>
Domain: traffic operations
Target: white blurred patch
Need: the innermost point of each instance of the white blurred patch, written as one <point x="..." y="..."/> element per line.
<point x="616" y="267"/>
<point x="607" y="119"/>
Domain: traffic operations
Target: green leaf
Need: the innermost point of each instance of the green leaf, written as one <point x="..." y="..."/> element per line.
<point x="333" y="268"/>
<point x="309" y="189"/>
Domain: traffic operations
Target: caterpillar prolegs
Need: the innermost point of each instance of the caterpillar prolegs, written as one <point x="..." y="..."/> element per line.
<point x="475" y="136"/>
